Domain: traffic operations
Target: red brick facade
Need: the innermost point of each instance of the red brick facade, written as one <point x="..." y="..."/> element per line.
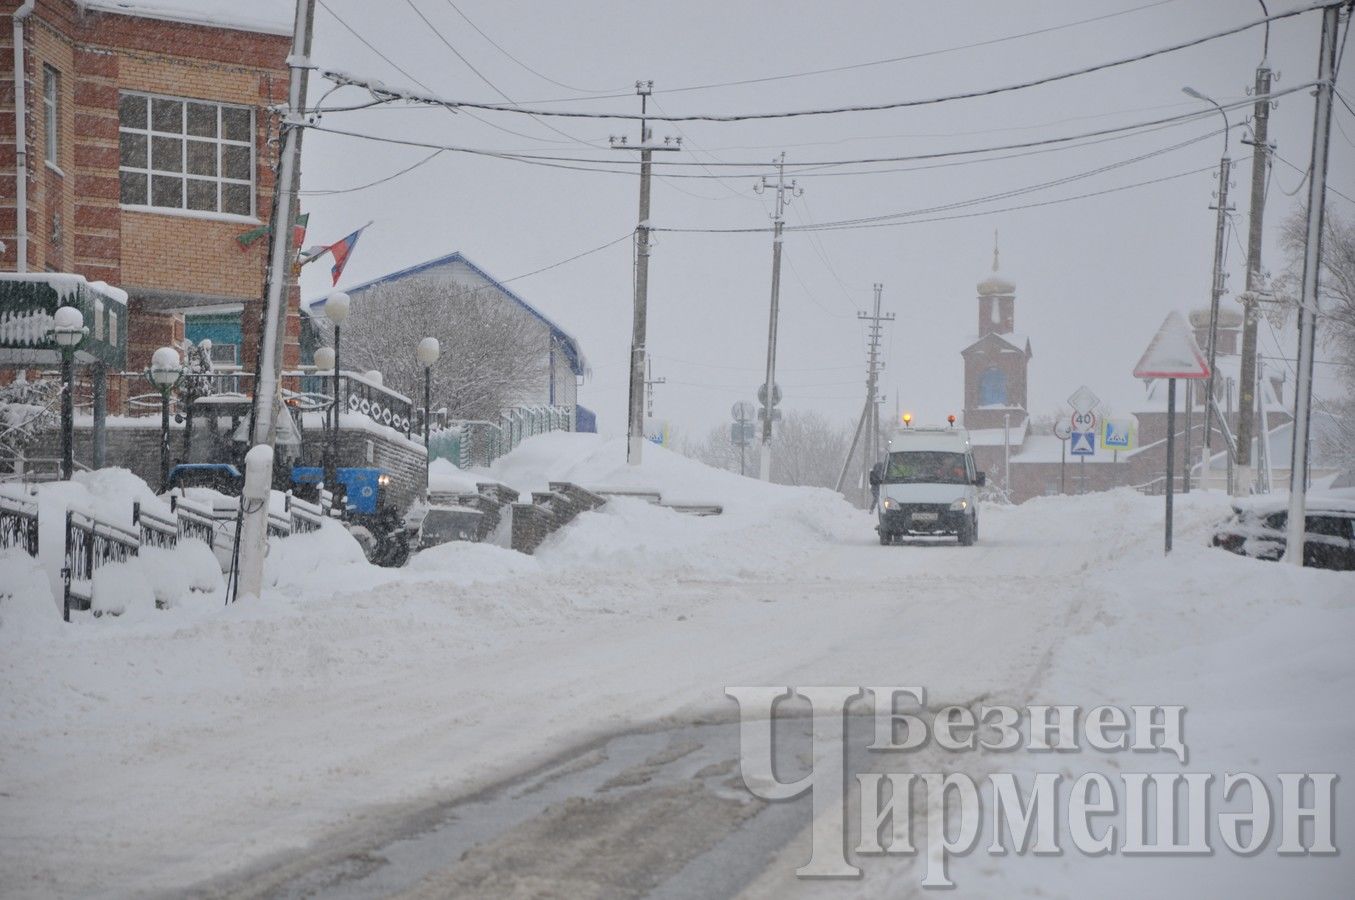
<point x="76" y="221"/>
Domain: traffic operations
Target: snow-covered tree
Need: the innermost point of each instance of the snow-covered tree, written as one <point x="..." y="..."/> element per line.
<point x="1336" y="326"/>
<point x="807" y="449"/>
<point x="26" y="408"/>
<point x="492" y="353"/>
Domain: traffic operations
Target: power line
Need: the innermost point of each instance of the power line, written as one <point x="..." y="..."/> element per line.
<point x="987" y="212"/>
<point x="362" y="187"/>
<point x="923" y="55"/>
<point x="405" y="72"/>
<point x="338" y="77"/>
<point x="478" y="74"/>
<point x="480" y="31"/>
<point x="808" y="168"/>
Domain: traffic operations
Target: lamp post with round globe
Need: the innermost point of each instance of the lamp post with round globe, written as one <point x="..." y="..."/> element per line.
<point x="165" y="372"/>
<point x="427" y="352"/>
<point x="324" y="362"/>
<point x="68" y="329"/>
<point x="336" y="310"/>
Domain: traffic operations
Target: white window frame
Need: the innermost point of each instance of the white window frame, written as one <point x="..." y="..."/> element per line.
<point x="149" y="133"/>
<point x="51" y="108"/>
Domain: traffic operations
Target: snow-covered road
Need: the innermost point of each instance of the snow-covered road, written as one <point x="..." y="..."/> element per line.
<point x="164" y="749"/>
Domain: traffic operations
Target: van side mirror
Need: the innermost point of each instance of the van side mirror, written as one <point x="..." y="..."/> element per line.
<point x="980" y="480"/>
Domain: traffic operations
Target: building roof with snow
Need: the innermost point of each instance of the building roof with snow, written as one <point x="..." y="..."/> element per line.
<point x="261" y="16"/>
<point x="456" y="265"/>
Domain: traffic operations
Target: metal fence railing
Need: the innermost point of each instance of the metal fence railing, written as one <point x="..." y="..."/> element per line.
<point x="155" y="530"/>
<point x="19" y="524"/>
<point x="476" y="442"/>
<point x="90" y="545"/>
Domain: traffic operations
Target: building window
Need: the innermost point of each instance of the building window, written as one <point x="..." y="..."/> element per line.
<point x="993" y="387"/>
<point x="994" y="312"/>
<point x="186" y="154"/>
<point x="51" y="110"/>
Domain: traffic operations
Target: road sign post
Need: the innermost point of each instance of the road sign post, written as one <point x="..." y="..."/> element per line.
<point x="1172" y="354"/>
<point x="1063" y="433"/>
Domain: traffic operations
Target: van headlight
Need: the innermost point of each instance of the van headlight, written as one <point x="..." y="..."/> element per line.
<point x="887" y="503"/>
<point x="959" y="506"/>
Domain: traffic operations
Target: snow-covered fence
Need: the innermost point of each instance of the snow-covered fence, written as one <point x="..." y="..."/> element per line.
<point x="90" y="545"/>
<point x="305" y="517"/>
<point x="19" y="524"/>
<point x="279" y="526"/>
<point x="155" y="531"/>
<point x="193" y="521"/>
<point x="475" y="442"/>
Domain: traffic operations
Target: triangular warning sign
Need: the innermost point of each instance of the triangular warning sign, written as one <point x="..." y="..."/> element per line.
<point x="1173" y="353"/>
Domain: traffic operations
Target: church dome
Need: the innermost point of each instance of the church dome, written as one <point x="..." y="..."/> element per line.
<point x="995" y="285"/>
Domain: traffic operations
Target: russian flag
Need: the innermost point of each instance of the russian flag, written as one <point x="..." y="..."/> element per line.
<point x="342" y="250"/>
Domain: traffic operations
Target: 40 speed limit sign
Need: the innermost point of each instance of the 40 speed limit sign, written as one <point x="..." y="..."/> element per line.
<point x="1084" y="421"/>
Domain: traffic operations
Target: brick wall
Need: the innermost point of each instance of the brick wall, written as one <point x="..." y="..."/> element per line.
<point x="75" y="221"/>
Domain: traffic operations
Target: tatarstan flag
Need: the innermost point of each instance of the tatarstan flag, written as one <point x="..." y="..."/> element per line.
<point x="249" y="238"/>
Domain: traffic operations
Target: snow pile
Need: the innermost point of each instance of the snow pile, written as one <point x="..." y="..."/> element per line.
<point x="26" y="602"/>
<point x="764" y="528"/>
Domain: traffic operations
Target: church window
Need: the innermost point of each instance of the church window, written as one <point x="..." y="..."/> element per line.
<point x="993" y="387"/>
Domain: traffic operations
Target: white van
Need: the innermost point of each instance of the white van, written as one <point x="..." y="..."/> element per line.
<point x="928" y="485"/>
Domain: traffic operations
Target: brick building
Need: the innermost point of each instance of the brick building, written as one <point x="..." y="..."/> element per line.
<point x="147" y="153"/>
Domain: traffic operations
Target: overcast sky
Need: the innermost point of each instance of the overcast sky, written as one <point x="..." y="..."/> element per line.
<point x="1095" y="276"/>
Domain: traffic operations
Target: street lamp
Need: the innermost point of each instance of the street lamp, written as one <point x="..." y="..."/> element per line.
<point x="336" y="310"/>
<point x="1216" y="292"/>
<point x="324" y="362"/>
<point x="165" y="373"/>
<point x="68" y="329"/>
<point x="427" y="352"/>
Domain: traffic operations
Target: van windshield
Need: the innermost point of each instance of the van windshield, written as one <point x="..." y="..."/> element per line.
<point x="930" y="466"/>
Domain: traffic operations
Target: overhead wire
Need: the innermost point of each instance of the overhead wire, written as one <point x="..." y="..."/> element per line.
<point x="914" y="56"/>
<point x="478" y="74"/>
<point x="890" y="105"/>
<point x="480" y="31"/>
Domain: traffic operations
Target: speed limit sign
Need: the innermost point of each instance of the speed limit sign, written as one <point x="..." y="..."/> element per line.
<point x="1084" y="421"/>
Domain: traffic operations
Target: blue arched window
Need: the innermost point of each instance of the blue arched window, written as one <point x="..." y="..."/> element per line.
<point x="993" y="387"/>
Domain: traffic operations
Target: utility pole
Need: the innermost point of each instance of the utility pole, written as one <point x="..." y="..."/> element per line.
<point x="1309" y="298"/>
<point x="1215" y="294"/>
<point x="635" y="407"/>
<point x="1260" y="161"/>
<point x="252" y="536"/>
<point x="778" y="220"/>
<point x="872" y="427"/>
<point x="650" y="381"/>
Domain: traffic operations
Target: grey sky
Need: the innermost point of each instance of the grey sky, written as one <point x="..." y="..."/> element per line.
<point x="1095" y="277"/>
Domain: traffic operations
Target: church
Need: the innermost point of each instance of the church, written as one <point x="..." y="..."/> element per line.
<point x="1021" y="464"/>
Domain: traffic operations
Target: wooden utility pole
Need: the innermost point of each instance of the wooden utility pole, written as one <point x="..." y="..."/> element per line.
<point x="1260" y="161"/>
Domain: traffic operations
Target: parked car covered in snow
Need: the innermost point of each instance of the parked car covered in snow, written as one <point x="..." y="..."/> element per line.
<point x="1257" y="529"/>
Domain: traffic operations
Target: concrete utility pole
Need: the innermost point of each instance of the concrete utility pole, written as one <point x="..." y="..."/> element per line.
<point x="635" y="408"/>
<point x="1309" y="297"/>
<point x="778" y="220"/>
<point x="1218" y="279"/>
<point x="650" y="381"/>
<point x="872" y="412"/>
<point x="1246" y="403"/>
<point x="253" y="536"/>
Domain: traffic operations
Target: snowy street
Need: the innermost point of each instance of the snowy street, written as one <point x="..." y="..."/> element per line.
<point x="351" y="696"/>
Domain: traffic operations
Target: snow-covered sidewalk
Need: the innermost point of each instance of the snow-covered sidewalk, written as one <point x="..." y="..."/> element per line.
<point x="156" y="749"/>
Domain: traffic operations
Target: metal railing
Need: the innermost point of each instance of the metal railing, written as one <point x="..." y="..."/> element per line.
<point x="19" y="524"/>
<point x="155" y="531"/>
<point x="305" y="517"/>
<point x="90" y="545"/>
<point x="476" y="442"/>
